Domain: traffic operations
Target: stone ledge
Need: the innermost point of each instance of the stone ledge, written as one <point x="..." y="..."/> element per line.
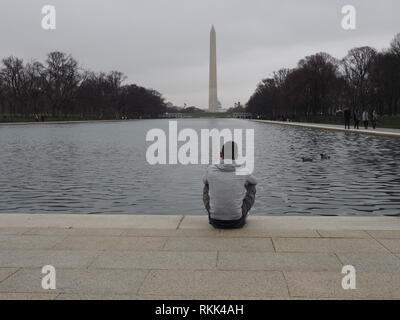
<point x="172" y="222"/>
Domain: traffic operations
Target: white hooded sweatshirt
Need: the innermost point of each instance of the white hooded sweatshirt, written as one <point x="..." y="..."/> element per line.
<point x="226" y="190"/>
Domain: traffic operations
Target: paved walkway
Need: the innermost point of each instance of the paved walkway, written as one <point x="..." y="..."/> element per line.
<point x="378" y="132"/>
<point x="182" y="257"/>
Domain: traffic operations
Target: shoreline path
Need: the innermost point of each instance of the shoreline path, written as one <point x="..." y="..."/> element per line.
<point x="388" y="132"/>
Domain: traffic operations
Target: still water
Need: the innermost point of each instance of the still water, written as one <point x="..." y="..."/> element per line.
<point x="102" y="168"/>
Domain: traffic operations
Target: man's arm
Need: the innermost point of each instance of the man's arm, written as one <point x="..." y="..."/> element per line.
<point x="206" y="195"/>
<point x="250" y="198"/>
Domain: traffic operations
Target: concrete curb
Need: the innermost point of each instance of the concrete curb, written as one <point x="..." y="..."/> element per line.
<point x="173" y="222"/>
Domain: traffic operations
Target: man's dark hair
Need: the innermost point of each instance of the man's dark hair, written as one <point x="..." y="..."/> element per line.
<point x="229" y="150"/>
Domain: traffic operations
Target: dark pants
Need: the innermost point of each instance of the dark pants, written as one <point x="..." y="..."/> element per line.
<point x="366" y="124"/>
<point x="347" y="123"/>
<point x="247" y="204"/>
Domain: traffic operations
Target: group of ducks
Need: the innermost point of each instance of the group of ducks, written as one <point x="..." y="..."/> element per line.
<point x="324" y="156"/>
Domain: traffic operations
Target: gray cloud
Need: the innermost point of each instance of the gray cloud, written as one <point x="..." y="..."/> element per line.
<point x="163" y="44"/>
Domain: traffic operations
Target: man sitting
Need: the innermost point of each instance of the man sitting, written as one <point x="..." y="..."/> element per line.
<point x="227" y="196"/>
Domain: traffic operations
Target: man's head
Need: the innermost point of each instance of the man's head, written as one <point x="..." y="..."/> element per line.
<point x="229" y="151"/>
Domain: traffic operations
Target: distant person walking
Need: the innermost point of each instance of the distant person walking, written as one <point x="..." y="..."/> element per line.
<point x="359" y="118"/>
<point x="227" y="196"/>
<point x="356" y="119"/>
<point x="374" y="119"/>
<point x="365" y="118"/>
<point x="347" y="117"/>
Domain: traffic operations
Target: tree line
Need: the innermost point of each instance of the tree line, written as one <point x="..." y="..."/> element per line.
<point x="59" y="88"/>
<point x="321" y="85"/>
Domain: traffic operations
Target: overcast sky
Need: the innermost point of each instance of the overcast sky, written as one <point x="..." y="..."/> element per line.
<point x="164" y="44"/>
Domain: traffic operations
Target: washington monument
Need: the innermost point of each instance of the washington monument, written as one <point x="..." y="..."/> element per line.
<point x="213" y="96"/>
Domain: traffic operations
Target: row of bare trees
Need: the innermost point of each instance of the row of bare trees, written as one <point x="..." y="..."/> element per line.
<point x="58" y="88"/>
<point x="321" y="85"/>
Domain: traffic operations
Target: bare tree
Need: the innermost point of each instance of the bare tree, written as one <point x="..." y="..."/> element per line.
<point x="395" y="45"/>
<point x="58" y="88"/>
<point x="320" y="85"/>
<point x="33" y="86"/>
<point x="60" y="78"/>
<point x="357" y="66"/>
<point x="12" y="75"/>
<point x="321" y="78"/>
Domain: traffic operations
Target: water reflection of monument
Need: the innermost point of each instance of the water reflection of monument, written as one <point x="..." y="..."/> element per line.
<point x="214" y="105"/>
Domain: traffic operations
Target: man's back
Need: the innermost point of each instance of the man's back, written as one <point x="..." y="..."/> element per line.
<point x="227" y="190"/>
